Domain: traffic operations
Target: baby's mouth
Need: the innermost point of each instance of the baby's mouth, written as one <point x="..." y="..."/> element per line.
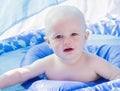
<point x="68" y="49"/>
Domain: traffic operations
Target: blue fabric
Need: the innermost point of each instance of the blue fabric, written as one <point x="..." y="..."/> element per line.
<point x="50" y="85"/>
<point x="106" y="86"/>
<point x="109" y="52"/>
<point x="20" y="41"/>
<point x="38" y="51"/>
<point x="106" y="27"/>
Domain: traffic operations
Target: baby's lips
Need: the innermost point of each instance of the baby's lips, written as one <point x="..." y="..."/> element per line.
<point x="68" y="49"/>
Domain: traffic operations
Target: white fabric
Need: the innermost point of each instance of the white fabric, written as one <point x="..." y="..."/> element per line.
<point x="92" y="9"/>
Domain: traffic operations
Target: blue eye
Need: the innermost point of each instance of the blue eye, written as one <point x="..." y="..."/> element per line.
<point x="74" y="34"/>
<point x="58" y="37"/>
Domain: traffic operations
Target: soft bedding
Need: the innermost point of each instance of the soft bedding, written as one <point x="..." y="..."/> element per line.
<point x="47" y="85"/>
<point x="21" y="41"/>
<point x="11" y="60"/>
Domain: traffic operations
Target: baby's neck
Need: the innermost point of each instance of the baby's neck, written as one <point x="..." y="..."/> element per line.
<point x="73" y="62"/>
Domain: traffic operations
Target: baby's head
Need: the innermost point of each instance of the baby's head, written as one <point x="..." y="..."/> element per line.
<point x="60" y="13"/>
<point x="65" y="32"/>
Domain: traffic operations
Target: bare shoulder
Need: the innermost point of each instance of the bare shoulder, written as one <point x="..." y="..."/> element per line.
<point x="94" y="58"/>
<point x="100" y="63"/>
<point x="96" y="62"/>
<point x="39" y="66"/>
<point x="103" y="67"/>
<point x="46" y="61"/>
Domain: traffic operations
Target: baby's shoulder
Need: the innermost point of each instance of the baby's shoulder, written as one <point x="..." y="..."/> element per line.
<point x="95" y="60"/>
<point x="48" y="59"/>
<point x="92" y="58"/>
<point x="43" y="63"/>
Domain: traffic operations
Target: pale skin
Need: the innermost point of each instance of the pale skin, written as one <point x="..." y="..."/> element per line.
<point x="67" y="37"/>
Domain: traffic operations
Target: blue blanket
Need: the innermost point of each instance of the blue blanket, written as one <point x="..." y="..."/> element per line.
<point x="50" y="85"/>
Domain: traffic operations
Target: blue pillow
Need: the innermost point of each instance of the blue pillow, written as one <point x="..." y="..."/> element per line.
<point x="38" y="51"/>
<point x="51" y="85"/>
<point x="22" y="40"/>
<point x="110" y="26"/>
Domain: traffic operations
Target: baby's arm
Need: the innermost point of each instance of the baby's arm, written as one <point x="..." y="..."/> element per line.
<point x="12" y="77"/>
<point x="22" y="74"/>
<point x="106" y="70"/>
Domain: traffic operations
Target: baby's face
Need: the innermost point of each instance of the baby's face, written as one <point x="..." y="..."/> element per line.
<point x="67" y="38"/>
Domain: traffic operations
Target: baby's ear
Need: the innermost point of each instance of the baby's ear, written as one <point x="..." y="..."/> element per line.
<point x="87" y="35"/>
<point x="47" y="40"/>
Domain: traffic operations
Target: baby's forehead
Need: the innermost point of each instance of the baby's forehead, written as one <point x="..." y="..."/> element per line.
<point x="63" y="12"/>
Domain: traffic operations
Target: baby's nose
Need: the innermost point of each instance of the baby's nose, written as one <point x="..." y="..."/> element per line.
<point x="67" y="41"/>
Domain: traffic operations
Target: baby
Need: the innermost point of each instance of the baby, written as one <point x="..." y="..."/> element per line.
<point x="66" y="34"/>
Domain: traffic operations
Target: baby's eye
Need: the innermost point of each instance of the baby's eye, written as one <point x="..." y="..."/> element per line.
<point x="74" y="34"/>
<point x="58" y="37"/>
